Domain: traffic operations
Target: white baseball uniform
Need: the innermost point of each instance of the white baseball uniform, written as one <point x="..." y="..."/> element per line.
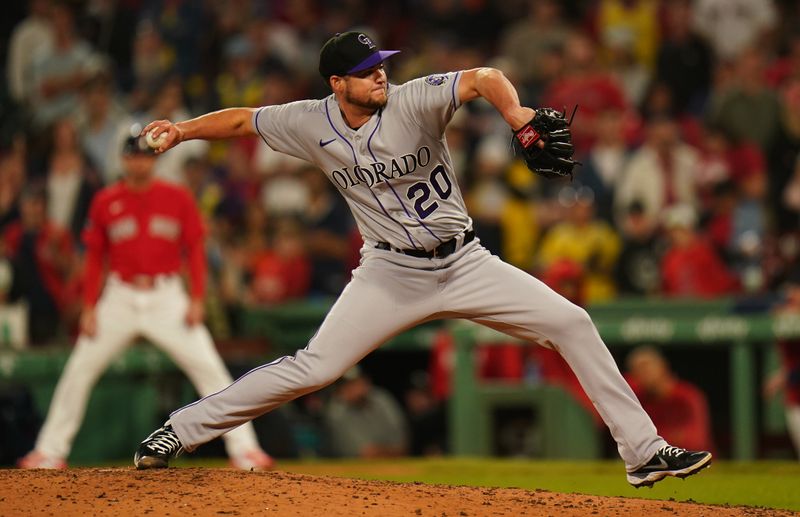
<point x="396" y="174"/>
<point x="143" y="234"/>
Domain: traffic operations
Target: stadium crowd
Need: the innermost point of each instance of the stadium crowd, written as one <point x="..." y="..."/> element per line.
<point x="688" y="129"/>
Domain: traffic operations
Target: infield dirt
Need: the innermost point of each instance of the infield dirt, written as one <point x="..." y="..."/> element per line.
<point x="217" y="492"/>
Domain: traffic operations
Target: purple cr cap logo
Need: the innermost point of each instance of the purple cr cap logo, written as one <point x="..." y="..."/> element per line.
<point x="363" y="38"/>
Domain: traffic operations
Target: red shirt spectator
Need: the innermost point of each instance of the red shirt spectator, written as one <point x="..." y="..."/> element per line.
<point x="43" y="260"/>
<point x="680" y="415"/>
<point x="54" y="251"/>
<point x="691" y="266"/>
<point x="583" y="84"/>
<point x="695" y="270"/>
<point x="283" y="272"/>
<point x="678" y="409"/>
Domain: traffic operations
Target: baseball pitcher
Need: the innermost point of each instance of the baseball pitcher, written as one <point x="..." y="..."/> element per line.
<point x="384" y="149"/>
<point x="141" y="227"/>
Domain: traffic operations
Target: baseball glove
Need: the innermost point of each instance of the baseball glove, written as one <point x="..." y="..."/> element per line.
<point x="554" y="159"/>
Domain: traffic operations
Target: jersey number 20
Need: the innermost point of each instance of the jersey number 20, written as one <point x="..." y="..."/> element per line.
<point x="420" y="192"/>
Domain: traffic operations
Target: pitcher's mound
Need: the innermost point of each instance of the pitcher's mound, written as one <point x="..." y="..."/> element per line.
<point x="200" y="491"/>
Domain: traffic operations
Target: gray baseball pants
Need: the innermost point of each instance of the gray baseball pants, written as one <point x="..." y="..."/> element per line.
<point x="391" y="292"/>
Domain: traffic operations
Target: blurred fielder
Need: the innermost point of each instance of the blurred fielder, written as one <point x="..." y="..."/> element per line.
<point x="142" y="227"/>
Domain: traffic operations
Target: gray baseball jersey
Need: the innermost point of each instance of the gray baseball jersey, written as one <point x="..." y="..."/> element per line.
<point x="394" y="171"/>
<point x="396" y="174"/>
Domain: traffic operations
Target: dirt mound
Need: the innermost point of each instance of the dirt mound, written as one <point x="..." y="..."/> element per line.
<point x="202" y="491"/>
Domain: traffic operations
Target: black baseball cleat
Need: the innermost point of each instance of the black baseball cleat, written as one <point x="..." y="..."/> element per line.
<point x="669" y="461"/>
<point x="157" y="449"/>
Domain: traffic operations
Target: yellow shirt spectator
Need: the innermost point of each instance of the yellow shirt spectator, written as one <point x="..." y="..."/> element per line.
<point x="591" y="243"/>
<point x="622" y="21"/>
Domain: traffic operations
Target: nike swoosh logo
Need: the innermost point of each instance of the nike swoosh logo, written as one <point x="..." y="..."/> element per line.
<point x="663" y="465"/>
<point x="323" y="144"/>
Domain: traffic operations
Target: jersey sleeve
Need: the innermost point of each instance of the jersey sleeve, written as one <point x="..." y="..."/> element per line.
<point x="282" y="127"/>
<point x="431" y="101"/>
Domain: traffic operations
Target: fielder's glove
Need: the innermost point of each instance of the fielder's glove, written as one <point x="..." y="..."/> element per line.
<point x="554" y="160"/>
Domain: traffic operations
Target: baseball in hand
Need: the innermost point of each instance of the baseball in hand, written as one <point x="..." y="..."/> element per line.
<point x="155" y="143"/>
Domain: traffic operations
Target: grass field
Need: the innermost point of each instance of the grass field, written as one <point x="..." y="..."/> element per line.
<point x="764" y="484"/>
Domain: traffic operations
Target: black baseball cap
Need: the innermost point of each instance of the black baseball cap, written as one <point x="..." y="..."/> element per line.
<point x="136" y="143"/>
<point x="350" y="52"/>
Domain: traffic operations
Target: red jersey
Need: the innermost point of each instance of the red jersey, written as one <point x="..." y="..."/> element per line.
<point x="145" y="232"/>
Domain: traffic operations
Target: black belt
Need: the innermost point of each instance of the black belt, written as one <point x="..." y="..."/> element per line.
<point x="441" y="251"/>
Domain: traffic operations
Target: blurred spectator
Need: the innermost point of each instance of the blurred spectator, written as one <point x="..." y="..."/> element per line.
<point x="180" y="23"/>
<point x="364" y="421"/>
<point x="749" y="229"/>
<point x="781" y="255"/>
<point x="787" y="377"/>
<point x="659" y="102"/>
<point x="476" y="23"/>
<point x="630" y="22"/>
<point x="501" y="204"/>
<point x="239" y="84"/>
<point x="110" y="27"/>
<point x="714" y="168"/>
<point x="638" y="269"/>
<point x="198" y="178"/>
<point x="727" y="159"/>
<point x="791" y="196"/>
<point x="731" y="26"/>
<point x="283" y="190"/>
<point x="529" y="41"/>
<point x="720" y="207"/>
<point x="152" y="61"/>
<point x="329" y="225"/>
<point x="678" y="408"/>
<point x="783" y="162"/>
<point x="690" y="266"/>
<point x="102" y="123"/>
<point x="13" y="174"/>
<point x="43" y="259"/>
<point x="786" y="67"/>
<point x="59" y="75"/>
<point x="606" y="161"/>
<point x="749" y="109"/>
<point x="684" y="61"/>
<point x="281" y="272"/>
<point x="240" y="184"/>
<point x="632" y="75"/>
<point x="586" y="240"/>
<point x="167" y="103"/>
<point x="661" y="173"/>
<point x="487" y="198"/>
<point x="71" y="183"/>
<point x="426" y="417"/>
<point x="584" y="83"/>
<point x="31" y="38"/>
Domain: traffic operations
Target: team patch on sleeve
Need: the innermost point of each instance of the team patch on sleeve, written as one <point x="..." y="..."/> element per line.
<point x="436" y="79"/>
